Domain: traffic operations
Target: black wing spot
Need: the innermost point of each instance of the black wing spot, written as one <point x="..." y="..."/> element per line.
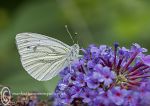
<point x="28" y="47"/>
<point x="34" y="48"/>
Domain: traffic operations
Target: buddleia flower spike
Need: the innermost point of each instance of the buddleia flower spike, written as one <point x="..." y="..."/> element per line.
<point x="106" y="76"/>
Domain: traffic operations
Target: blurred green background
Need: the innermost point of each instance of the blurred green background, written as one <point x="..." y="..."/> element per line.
<point x="95" y="21"/>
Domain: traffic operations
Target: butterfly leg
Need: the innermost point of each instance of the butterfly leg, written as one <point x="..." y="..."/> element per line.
<point x="69" y="64"/>
<point x="70" y="67"/>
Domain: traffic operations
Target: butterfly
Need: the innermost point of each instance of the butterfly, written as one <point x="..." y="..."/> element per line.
<point x="44" y="57"/>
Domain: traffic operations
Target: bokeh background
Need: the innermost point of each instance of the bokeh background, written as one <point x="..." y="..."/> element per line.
<point x="95" y="21"/>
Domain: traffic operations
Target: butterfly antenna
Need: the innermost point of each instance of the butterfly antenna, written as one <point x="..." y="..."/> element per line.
<point x="77" y="37"/>
<point x="69" y="33"/>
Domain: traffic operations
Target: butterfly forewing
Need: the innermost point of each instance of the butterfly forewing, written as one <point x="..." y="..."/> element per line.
<point x="42" y="57"/>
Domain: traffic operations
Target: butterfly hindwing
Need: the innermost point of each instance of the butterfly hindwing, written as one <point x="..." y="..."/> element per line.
<point x="42" y="57"/>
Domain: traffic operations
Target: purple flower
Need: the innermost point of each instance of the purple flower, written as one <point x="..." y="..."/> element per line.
<point x="117" y="95"/>
<point x="93" y="80"/>
<point x="103" y="99"/>
<point x="98" y="68"/>
<point x="62" y="86"/>
<point x="146" y="60"/>
<point x="137" y="47"/>
<point x="90" y="64"/>
<point x="95" y="52"/>
<point x="131" y="99"/>
<point x="106" y="76"/>
<point x="145" y="99"/>
<point x="80" y="80"/>
<point x="88" y="95"/>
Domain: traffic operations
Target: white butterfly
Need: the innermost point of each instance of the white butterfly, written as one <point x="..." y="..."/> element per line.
<point x="44" y="57"/>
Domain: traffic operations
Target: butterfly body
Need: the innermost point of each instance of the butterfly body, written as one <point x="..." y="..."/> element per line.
<point x="74" y="53"/>
<point x="44" y="57"/>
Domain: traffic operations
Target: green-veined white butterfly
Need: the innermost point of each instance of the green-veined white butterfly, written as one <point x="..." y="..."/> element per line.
<point x="44" y="57"/>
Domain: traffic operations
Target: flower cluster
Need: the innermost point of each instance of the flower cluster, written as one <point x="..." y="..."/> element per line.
<point x="106" y="76"/>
